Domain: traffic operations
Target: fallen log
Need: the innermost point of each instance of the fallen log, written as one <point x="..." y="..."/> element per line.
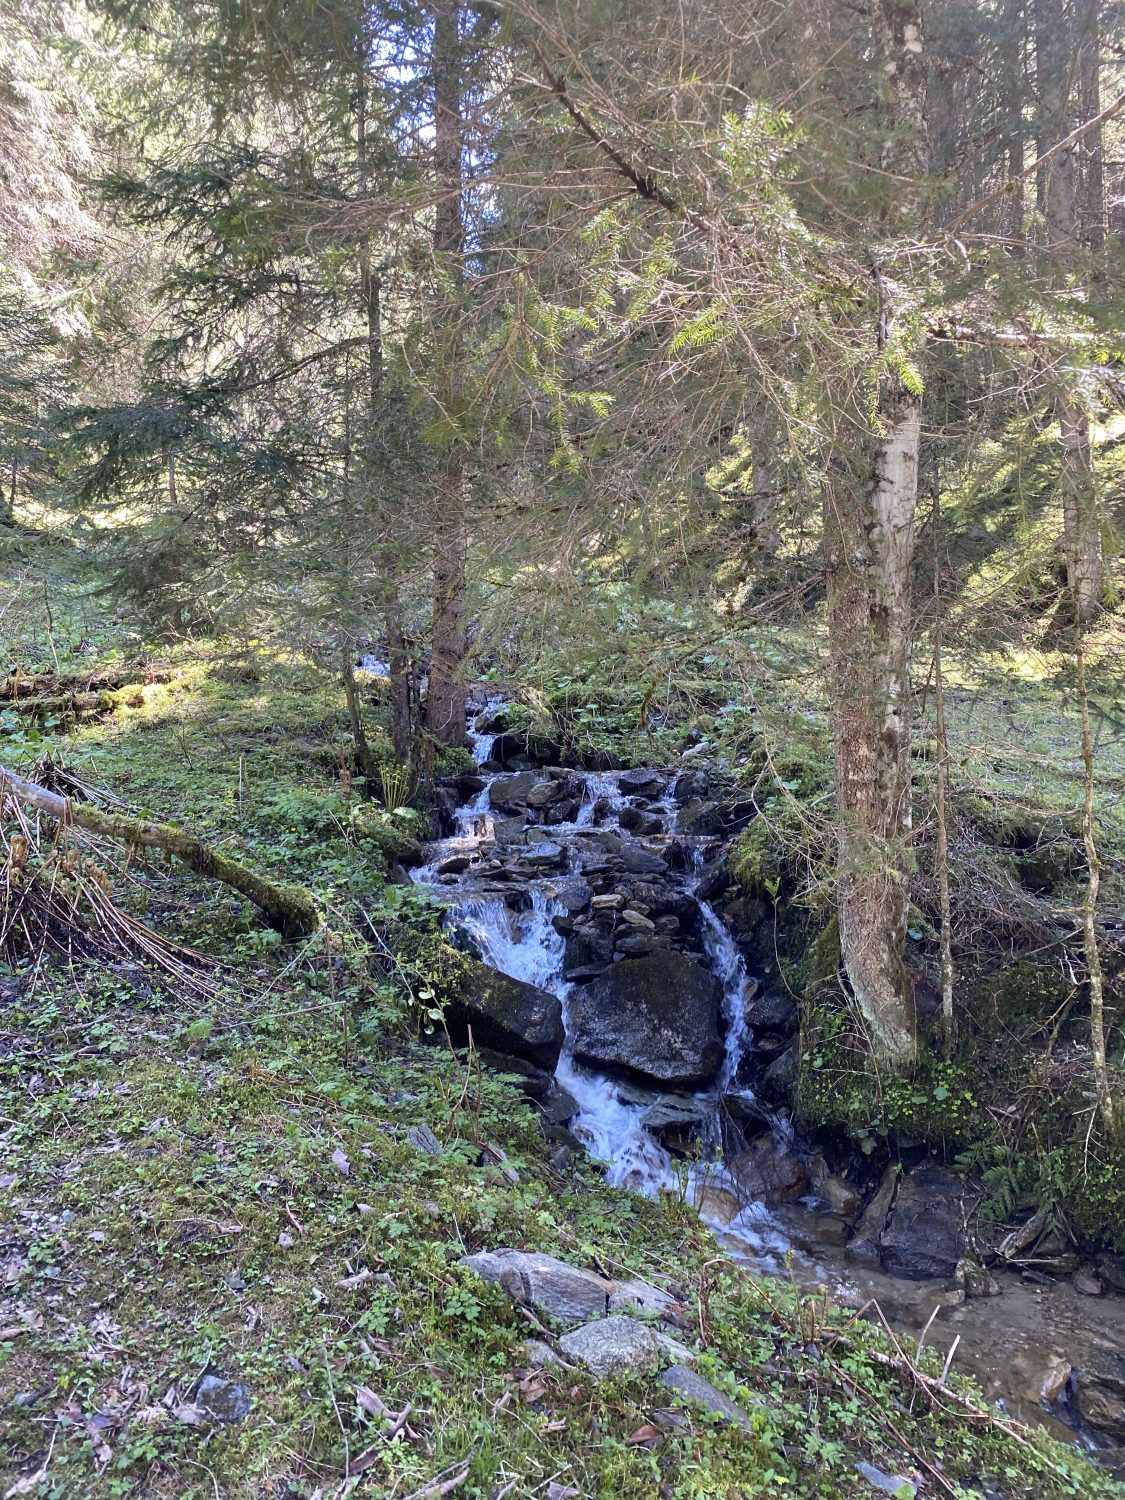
<point x="290" y="908"/>
<point x="19" y="685"/>
<point x="62" y="705"/>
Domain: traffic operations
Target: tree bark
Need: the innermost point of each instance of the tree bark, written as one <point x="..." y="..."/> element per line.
<point x="398" y="664"/>
<point x="871" y="501"/>
<point x="1012" y="54"/>
<point x="446" y="696"/>
<point x="371" y="295"/>
<point x="1056" y="61"/>
<point x="869" y="538"/>
<point x="1094" y="978"/>
<point x="289" y="907"/>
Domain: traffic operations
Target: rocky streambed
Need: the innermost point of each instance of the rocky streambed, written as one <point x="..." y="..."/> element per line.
<point x="610" y="982"/>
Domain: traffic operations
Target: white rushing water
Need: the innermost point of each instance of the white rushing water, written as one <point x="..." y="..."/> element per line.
<point x="610" y="1121"/>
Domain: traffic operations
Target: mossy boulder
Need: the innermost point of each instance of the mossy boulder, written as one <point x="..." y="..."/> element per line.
<point x="390" y="833"/>
<point x="504" y="1014"/>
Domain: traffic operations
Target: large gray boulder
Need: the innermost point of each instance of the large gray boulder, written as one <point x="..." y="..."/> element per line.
<point x="514" y="790"/>
<point x="563" y="1292"/>
<point x="1101" y="1391"/>
<point x="506" y="1014"/>
<point x="618" y="1345"/>
<point x="657" y="1016"/>
<point x="925" y="1236"/>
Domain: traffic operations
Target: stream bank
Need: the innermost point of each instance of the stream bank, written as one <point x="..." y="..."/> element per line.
<point x="638" y="1028"/>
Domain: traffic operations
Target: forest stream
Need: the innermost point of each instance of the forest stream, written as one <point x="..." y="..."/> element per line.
<point x="518" y="891"/>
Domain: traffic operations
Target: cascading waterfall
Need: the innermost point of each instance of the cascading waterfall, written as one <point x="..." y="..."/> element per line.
<point x="610" y="1120"/>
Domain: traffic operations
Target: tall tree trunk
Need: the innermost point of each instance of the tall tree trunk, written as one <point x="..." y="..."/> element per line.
<point x="871" y="501"/>
<point x="1012" y="55"/>
<point x="1057" y="63"/>
<point x="869" y="539"/>
<point x="948" y="1020"/>
<point x="1093" y="146"/>
<point x="445" y="698"/>
<point x="1094" y="977"/>
<point x="371" y="294"/>
<point x="398" y="665"/>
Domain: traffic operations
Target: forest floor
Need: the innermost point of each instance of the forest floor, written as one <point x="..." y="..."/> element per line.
<point x="229" y="1259"/>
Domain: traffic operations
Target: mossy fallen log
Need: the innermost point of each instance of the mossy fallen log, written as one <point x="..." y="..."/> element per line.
<point x="15" y="685"/>
<point x="290" y="908"/>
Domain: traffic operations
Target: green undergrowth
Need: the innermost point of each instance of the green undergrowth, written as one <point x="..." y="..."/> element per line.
<point x="229" y="1187"/>
<point x="221" y="1179"/>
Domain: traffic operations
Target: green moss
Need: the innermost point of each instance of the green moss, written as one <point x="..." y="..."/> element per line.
<point x="1095" y="1186"/>
<point x="393" y="835"/>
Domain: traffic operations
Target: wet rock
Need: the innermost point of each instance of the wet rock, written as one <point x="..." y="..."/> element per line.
<point x="691" y="1387"/>
<point x="222" y="1400"/>
<point x="640" y="862"/>
<point x="1100" y="1395"/>
<point x="559" y="1106"/>
<point x="616" y="1345"/>
<point x="543" y="1282"/>
<point x="977" y="1279"/>
<point x="516" y="751"/>
<point x="507" y="831"/>
<point x="721" y="818"/>
<point x="924" y="1238"/>
<point x="545" y="793"/>
<point x="780" y="1078"/>
<point x="691" y="786"/>
<point x="542" y="853"/>
<point x="1111" y="1269"/>
<point x="506" y="1014"/>
<point x="636" y="945"/>
<point x="588" y="945"/>
<point x="657" y="1016"/>
<point x="454" y="864"/>
<point x="1043" y="1374"/>
<point x="771" y="1010"/>
<point x="1086" y="1283"/>
<point x="636" y="820"/>
<point x="573" y="894"/>
<point x="637" y="920"/>
<point x="839" y="1194"/>
<point x="717" y="1205"/>
<point x="863" y="1248"/>
<point x="513" y="790"/>
<point x="609" y="901"/>
<point x="641" y="783"/>
<point x="768" y="1173"/>
<point x="713" y="879"/>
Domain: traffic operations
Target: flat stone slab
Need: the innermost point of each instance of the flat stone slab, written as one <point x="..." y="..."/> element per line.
<point x="691" y="1387"/>
<point x="564" y="1292"/>
<point x="618" y="1345"/>
<point x="639" y="1295"/>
